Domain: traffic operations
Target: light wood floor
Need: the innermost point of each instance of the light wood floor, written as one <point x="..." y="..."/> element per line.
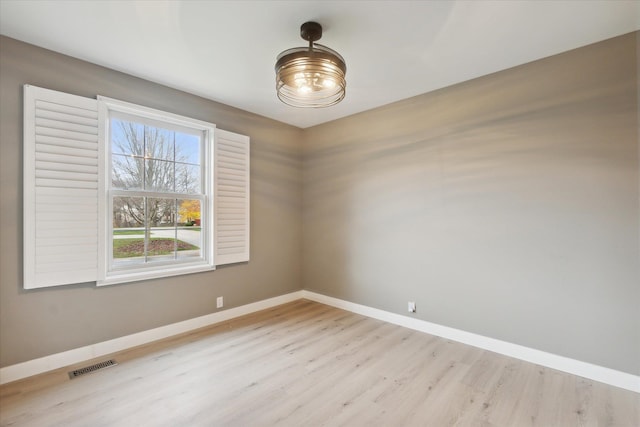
<point x="307" y="364"/>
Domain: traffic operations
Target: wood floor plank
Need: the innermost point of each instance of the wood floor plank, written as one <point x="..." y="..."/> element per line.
<point x="307" y="364"/>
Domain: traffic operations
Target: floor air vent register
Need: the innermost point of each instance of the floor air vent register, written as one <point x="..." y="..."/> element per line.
<point x="92" y="368"/>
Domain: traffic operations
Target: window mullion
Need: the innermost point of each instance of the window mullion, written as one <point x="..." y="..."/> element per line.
<point x="158" y="194"/>
<point x="147" y="232"/>
<point x="144" y="158"/>
<point x="175" y="229"/>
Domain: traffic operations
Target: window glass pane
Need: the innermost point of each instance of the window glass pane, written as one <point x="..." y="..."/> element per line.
<point x="188" y="148"/>
<point x="128" y="230"/>
<point x="127" y="137"/>
<point x="159" y="175"/>
<point x="151" y="158"/>
<point x="159" y="143"/>
<point x="161" y="212"/>
<point x="189" y="229"/>
<point x="162" y="243"/>
<point x="156" y="236"/>
<point x="127" y="172"/>
<point x="188" y="178"/>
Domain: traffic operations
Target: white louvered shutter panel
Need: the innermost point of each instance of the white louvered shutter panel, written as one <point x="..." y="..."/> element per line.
<point x="60" y="188"/>
<point x="231" y="197"/>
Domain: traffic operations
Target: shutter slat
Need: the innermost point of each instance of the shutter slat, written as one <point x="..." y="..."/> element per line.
<point x="65" y="134"/>
<point x="238" y="246"/>
<point x="53" y="166"/>
<point x="62" y="183"/>
<point x="66" y="174"/>
<point x="231" y="204"/>
<point x="237" y="239"/>
<point x="232" y="197"/>
<point x="66" y="151"/>
<point x="240" y="177"/>
<point x="233" y="182"/>
<point x="60" y="188"/>
<point x="49" y="220"/>
<point x="231" y="252"/>
<point x="58" y="116"/>
<point x="62" y="142"/>
<point x="228" y="173"/>
<point x="44" y="242"/>
<point x="227" y="211"/>
<point x="232" y="162"/>
<point x="236" y="167"/>
<point x="55" y="251"/>
<point x="230" y="147"/>
<point x="91" y="129"/>
<point x="77" y="210"/>
<point x="62" y="107"/>
<point x="52" y="192"/>
<point x="231" y="155"/>
<point x="59" y="158"/>
<point x="63" y="232"/>
<point x="231" y="231"/>
<point x="225" y="215"/>
<point x="231" y="189"/>
<point x="59" y="265"/>
<point x="69" y="205"/>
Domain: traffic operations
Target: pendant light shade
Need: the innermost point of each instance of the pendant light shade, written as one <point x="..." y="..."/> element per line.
<point x="312" y="77"/>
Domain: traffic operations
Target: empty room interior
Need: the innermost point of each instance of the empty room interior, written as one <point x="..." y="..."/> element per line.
<point x="305" y="213"/>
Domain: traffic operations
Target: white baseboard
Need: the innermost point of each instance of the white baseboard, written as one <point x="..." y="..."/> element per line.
<point x="77" y="355"/>
<point x="561" y="363"/>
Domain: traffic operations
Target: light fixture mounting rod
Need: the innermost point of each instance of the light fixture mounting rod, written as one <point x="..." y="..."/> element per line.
<point x="311" y="31"/>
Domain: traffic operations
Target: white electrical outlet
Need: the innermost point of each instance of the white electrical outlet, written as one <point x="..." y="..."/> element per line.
<point x="219" y="302"/>
<point x="412" y="307"/>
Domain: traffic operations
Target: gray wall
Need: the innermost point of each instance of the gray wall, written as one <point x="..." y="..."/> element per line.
<point x="39" y="323"/>
<point x="505" y="206"/>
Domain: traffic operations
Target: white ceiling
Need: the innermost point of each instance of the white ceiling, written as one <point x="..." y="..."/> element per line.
<point x="226" y="50"/>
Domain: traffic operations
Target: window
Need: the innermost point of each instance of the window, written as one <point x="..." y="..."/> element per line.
<point x="115" y="192"/>
<point x="159" y="201"/>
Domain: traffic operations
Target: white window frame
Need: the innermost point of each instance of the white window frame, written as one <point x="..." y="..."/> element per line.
<point x="108" y="273"/>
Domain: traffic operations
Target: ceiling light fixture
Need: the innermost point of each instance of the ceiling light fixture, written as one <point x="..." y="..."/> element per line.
<point x="310" y="77"/>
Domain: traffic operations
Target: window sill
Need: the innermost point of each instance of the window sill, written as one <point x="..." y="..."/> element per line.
<point x="129" y="276"/>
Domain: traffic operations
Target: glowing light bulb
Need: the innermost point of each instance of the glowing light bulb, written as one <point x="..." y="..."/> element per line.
<point x="299" y="79"/>
<point x="329" y="83"/>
